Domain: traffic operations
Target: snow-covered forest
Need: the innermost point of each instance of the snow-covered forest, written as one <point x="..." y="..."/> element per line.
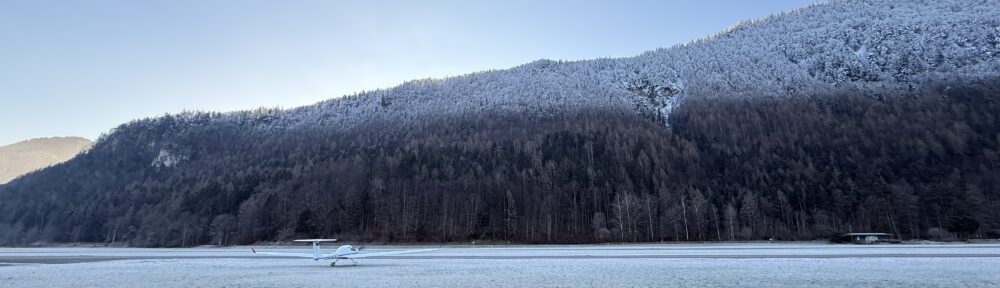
<point x="849" y="115"/>
<point x="881" y="47"/>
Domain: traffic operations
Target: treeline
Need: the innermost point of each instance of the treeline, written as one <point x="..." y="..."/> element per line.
<point x="919" y="166"/>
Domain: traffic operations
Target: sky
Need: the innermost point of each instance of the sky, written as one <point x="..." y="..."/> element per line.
<point x="81" y="68"/>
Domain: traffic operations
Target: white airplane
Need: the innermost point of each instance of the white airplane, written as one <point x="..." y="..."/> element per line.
<point x="343" y="252"/>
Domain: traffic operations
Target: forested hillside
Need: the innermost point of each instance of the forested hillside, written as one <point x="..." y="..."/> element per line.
<point x="861" y="115"/>
<point x="732" y="169"/>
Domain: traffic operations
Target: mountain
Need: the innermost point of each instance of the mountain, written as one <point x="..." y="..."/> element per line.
<point x="882" y="47"/>
<point x="22" y="157"/>
<point x="843" y="116"/>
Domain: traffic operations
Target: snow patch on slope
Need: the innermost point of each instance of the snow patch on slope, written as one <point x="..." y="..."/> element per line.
<point x="166" y="159"/>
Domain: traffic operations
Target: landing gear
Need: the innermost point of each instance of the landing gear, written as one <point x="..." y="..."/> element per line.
<point x="334" y="263"/>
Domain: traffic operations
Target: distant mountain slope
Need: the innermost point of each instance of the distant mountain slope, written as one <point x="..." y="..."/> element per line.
<point x="20" y="158"/>
<point x="850" y="115"/>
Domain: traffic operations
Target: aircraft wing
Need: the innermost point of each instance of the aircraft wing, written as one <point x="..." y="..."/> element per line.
<point x="285" y="254"/>
<point x="363" y="255"/>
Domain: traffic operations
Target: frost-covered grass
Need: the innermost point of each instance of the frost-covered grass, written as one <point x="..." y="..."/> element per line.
<point x="720" y="249"/>
<point x="621" y="266"/>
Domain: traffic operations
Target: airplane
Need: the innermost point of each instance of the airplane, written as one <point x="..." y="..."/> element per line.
<point x="343" y="252"/>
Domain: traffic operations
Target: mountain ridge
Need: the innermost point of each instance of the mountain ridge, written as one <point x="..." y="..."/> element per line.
<point x="657" y="80"/>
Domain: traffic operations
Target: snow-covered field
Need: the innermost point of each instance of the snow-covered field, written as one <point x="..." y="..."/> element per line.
<point x="709" y="265"/>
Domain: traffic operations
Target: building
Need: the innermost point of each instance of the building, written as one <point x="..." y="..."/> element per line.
<point x="865" y="238"/>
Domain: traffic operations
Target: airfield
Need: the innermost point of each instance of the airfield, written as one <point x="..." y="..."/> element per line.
<point x="645" y="265"/>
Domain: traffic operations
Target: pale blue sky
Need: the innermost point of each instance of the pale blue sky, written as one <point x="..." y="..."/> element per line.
<point x="80" y="68"/>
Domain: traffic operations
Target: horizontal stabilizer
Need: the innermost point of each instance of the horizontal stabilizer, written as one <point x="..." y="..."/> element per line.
<point x="315" y="240"/>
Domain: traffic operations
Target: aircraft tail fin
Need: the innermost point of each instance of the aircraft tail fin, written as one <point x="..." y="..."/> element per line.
<point x="317" y="253"/>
